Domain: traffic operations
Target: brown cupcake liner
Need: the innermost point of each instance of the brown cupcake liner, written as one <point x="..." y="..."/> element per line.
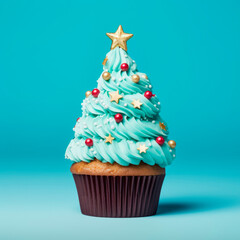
<point x="118" y="196"/>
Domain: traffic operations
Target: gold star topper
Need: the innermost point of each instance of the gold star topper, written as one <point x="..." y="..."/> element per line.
<point x="136" y="104"/>
<point x="109" y="139"/>
<point x="119" y="38"/>
<point x="115" y="96"/>
<point x="162" y="126"/>
<point x="142" y="148"/>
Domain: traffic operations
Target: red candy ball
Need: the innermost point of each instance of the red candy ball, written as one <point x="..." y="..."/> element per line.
<point x="160" y="140"/>
<point x="95" y="92"/>
<point x="124" y="66"/>
<point x="78" y="119"/>
<point x="148" y="94"/>
<point x="89" y="142"/>
<point x="118" y="117"/>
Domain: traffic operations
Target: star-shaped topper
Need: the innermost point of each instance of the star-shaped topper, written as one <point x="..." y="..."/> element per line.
<point x="142" y="148"/>
<point x="115" y="96"/>
<point x="109" y="138"/>
<point x="119" y="38"/>
<point x="136" y="104"/>
<point x="162" y="126"/>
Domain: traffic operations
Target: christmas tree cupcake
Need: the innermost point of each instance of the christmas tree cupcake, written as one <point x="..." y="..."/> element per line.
<point x="121" y="145"/>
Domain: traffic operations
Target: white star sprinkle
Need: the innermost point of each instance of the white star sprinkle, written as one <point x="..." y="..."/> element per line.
<point x="142" y="148"/>
<point x="136" y="103"/>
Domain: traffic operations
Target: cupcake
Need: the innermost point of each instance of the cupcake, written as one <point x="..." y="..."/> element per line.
<point x="121" y="146"/>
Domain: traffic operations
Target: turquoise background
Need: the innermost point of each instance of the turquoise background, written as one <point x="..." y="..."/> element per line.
<point x="51" y="53"/>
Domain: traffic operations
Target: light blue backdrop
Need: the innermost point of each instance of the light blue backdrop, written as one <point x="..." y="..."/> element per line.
<point x="51" y="53"/>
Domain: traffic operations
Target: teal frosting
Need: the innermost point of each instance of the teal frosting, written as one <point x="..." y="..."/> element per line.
<point x="139" y="126"/>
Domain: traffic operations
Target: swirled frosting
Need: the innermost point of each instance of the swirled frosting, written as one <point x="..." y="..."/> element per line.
<point x="140" y="126"/>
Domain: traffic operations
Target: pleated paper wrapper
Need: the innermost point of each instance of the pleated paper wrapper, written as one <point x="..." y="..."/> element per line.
<point x="118" y="196"/>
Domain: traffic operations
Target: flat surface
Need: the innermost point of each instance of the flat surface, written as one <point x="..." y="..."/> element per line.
<point x="194" y="205"/>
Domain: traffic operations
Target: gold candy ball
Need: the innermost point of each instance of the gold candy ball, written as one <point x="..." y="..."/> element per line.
<point x="106" y="75"/>
<point x="145" y="76"/>
<point x="135" y="78"/>
<point x="88" y="93"/>
<point x="172" y="144"/>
